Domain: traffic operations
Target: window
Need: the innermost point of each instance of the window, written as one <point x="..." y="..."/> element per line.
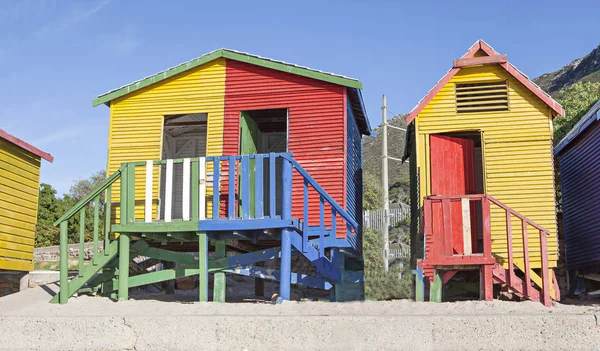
<point x="482" y="97"/>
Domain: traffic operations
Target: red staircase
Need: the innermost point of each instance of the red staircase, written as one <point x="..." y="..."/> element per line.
<point x="450" y="226"/>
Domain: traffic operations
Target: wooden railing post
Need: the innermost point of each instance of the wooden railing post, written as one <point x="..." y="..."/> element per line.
<point x="63" y="294"/>
<point x="96" y="227"/>
<point x="130" y="193"/>
<point x="195" y="189"/>
<point x="487" y="227"/>
<point x="216" y="187"/>
<point x="527" y="283"/>
<point x="107" y="219"/>
<point x="231" y="168"/>
<point x="81" y="240"/>
<point x="286" y="244"/>
<point x="545" y="271"/>
<point x="426" y="220"/>
<point x="511" y="267"/>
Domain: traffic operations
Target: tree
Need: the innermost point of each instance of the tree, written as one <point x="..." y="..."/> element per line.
<point x="576" y="99"/>
<point x="51" y="208"/>
<point x="372" y="192"/>
<point x="82" y="187"/>
<point x="48" y="208"/>
<point x="380" y="285"/>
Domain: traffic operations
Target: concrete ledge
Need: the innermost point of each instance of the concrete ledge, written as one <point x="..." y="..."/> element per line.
<point x="428" y="332"/>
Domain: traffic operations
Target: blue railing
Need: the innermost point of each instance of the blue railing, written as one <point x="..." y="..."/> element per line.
<point x="239" y="187"/>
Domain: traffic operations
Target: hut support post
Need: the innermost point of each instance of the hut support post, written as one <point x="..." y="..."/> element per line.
<point x="220" y="284"/>
<point x="286" y="240"/>
<point x="435" y="290"/>
<point x="203" y="266"/>
<point x="419" y="285"/>
<point x="124" y="241"/>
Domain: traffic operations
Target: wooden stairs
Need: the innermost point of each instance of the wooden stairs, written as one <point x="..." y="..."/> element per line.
<point x="446" y="252"/>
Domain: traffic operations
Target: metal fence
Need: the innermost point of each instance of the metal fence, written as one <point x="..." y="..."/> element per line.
<point x="403" y="251"/>
<point x="374" y="219"/>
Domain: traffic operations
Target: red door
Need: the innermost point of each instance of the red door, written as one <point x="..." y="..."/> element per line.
<point x="452" y="173"/>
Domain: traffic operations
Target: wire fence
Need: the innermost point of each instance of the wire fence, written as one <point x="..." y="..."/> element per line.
<point x="375" y="219"/>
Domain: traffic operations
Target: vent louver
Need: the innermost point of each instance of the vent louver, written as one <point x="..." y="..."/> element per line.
<point x="482" y="97"/>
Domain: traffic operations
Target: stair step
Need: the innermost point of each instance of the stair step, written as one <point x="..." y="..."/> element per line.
<point x="517" y="284"/>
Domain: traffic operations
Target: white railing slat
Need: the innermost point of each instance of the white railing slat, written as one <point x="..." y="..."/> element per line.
<point x="169" y="191"/>
<point x="202" y="189"/>
<point x="185" y="206"/>
<point x="148" y="197"/>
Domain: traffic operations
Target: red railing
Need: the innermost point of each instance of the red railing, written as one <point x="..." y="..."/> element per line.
<point x="445" y="231"/>
<point x="543" y="233"/>
<point x="448" y="222"/>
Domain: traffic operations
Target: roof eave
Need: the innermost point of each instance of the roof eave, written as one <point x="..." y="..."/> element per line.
<point x="512" y="70"/>
<point x="586" y="120"/>
<point x="25" y="146"/>
<point x="232" y="55"/>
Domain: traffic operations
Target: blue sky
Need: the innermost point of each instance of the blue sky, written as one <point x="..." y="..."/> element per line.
<point x="56" y="56"/>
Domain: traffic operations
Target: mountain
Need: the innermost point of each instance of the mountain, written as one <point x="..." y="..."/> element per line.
<point x="398" y="173"/>
<point x="586" y="69"/>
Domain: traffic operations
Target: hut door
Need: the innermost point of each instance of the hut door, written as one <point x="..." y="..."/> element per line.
<point x="453" y="173"/>
<point x="249" y="141"/>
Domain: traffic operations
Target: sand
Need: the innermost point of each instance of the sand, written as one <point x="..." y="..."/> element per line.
<point x="29" y="322"/>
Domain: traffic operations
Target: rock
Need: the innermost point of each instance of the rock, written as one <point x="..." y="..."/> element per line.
<point x="185" y="283"/>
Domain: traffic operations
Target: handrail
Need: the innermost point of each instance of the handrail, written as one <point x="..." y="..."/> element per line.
<point x="517" y="214"/>
<point x="92" y="195"/>
<point x="321" y="191"/>
<point x="495" y="201"/>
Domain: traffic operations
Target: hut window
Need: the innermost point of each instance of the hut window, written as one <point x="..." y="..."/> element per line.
<point x="482" y="97"/>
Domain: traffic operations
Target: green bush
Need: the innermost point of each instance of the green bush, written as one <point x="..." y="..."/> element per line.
<point x="380" y="285"/>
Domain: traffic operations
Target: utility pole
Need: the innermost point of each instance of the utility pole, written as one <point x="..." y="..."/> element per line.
<point x="384" y="181"/>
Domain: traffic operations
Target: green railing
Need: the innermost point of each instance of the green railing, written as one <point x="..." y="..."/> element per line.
<point x="91" y="201"/>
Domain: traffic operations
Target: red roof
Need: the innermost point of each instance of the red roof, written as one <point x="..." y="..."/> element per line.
<point x="498" y="59"/>
<point x="25" y="146"/>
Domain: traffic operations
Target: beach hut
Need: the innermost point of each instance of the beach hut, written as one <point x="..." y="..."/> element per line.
<point x="236" y="146"/>
<point x="482" y="178"/>
<point x="19" y="189"/>
<point x="579" y="166"/>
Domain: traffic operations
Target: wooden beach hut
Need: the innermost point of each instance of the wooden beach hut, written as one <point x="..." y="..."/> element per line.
<point x="235" y="146"/>
<point x="482" y="178"/>
<point x="579" y="165"/>
<point x="19" y="189"/>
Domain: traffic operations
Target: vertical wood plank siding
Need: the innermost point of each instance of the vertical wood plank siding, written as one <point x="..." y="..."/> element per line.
<point x="353" y="167"/>
<point x="580" y="185"/>
<point x="517" y="154"/>
<point x="136" y="121"/>
<point x="19" y="189"/>
<point x="316" y="124"/>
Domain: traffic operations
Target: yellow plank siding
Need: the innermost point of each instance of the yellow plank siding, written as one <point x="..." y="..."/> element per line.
<point x="517" y="156"/>
<point x="19" y="189"/>
<point x="15" y="265"/>
<point x="16" y="239"/>
<point x="136" y="122"/>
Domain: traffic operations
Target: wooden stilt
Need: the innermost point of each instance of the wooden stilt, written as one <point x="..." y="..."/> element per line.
<point x="220" y="284"/>
<point x="124" y="241"/>
<point x="259" y="284"/>
<point x="419" y="285"/>
<point x="487" y="284"/>
<point x="435" y="289"/>
<point x="338" y="260"/>
<point x="203" y="266"/>
<point x="286" y="265"/>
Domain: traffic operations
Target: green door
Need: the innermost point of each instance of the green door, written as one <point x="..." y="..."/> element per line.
<point x="249" y="139"/>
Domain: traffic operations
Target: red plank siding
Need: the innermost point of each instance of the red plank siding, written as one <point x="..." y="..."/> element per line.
<point x="316" y="125"/>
